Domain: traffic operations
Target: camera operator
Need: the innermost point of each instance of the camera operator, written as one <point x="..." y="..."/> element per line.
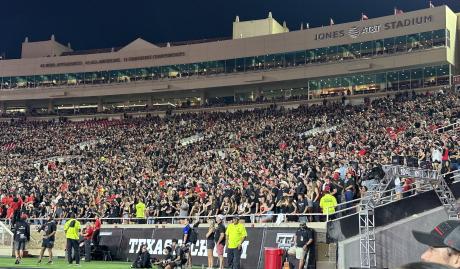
<point x="143" y="258"/>
<point x="304" y="246"/>
<point x="167" y="251"/>
<point x="48" y="239"/>
<point x="178" y="257"/>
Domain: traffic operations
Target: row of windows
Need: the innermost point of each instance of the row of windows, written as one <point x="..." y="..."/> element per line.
<point x="390" y="81"/>
<point x="400" y="44"/>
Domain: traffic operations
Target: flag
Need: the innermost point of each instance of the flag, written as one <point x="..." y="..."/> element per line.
<point x="9" y="146"/>
<point x="308" y="25"/>
<point x="398" y="11"/>
<point x="332" y="21"/>
<point x="364" y="17"/>
<point x="431" y="5"/>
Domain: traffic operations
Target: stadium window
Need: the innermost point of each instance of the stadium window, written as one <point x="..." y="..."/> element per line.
<point x="426" y="40"/>
<point x="404" y="80"/>
<point x="239" y="65"/>
<point x="439" y="38"/>
<point x="249" y="62"/>
<point x="379" y="47"/>
<point x="344" y="52"/>
<point x="79" y="77"/>
<point x="413" y="42"/>
<point x="300" y="57"/>
<point x="401" y="44"/>
<point x="392" y="81"/>
<point x="442" y="75"/>
<point x="416" y="78"/>
<point x="367" y="49"/>
<point x="30" y="81"/>
<point x="429" y="76"/>
<point x="310" y="56"/>
<point x="389" y="45"/>
<point x="320" y="55"/>
<point x="355" y="50"/>
<point x="332" y="54"/>
<point x="381" y="81"/>
<point x="230" y="66"/>
<point x="289" y="59"/>
<point x="220" y="67"/>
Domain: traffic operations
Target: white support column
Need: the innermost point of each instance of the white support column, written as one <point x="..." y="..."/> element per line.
<point x="50" y="106"/>
<point x="100" y="105"/>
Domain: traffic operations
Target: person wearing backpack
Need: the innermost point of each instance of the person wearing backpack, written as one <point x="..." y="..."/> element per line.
<point x="21" y="231"/>
<point x="190" y="236"/>
<point x="72" y="234"/>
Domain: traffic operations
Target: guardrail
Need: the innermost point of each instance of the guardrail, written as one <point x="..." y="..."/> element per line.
<point x="452" y="126"/>
<point x="342" y="210"/>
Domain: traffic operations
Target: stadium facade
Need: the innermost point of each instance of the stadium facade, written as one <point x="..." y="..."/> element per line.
<point x="414" y="50"/>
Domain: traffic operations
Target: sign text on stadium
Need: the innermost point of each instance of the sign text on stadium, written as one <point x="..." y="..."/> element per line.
<point x="357" y="31"/>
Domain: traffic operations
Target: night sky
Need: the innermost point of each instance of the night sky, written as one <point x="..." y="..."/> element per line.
<point x="91" y="24"/>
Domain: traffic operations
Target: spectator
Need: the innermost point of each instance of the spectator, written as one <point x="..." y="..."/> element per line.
<point x="140" y="212"/>
<point x="210" y="242"/>
<point x="219" y="236"/>
<point x="443" y="242"/>
<point x="88" y="237"/>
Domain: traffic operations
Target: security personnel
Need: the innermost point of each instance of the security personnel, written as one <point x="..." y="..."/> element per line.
<point x="328" y="202"/>
<point x="21" y="236"/>
<point x="304" y="251"/>
<point x="72" y="232"/>
<point x="49" y="228"/>
<point x="235" y="236"/>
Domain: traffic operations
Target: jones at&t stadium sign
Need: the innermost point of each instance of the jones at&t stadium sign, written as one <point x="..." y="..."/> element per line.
<point x="357" y="31"/>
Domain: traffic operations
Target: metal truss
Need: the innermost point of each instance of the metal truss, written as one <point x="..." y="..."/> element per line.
<point x="378" y="194"/>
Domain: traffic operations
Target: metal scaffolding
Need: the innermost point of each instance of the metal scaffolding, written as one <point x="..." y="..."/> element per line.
<point x="377" y="194"/>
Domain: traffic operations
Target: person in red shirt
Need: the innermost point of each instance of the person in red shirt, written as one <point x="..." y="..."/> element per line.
<point x="96" y="230"/>
<point x="88" y="236"/>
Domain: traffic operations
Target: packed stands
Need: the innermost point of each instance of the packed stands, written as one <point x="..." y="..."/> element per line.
<point x="258" y="162"/>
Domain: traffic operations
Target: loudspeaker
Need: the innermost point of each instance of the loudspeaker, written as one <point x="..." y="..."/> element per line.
<point x="397" y="160"/>
<point x="412" y="161"/>
<point x="377" y="173"/>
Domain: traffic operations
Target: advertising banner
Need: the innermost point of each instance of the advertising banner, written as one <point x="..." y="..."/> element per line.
<point x="157" y="239"/>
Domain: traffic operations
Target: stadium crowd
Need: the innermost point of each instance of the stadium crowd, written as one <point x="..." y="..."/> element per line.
<point x="259" y="162"/>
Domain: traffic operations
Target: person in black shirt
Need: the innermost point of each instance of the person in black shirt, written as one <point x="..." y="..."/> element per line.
<point x="302" y="205"/>
<point x="349" y="185"/>
<point x="143" y="258"/>
<point x="48" y="238"/>
<point x="304" y="246"/>
<point x="179" y="256"/>
<point x="21" y="231"/>
<point x="219" y="237"/>
<point x="210" y="242"/>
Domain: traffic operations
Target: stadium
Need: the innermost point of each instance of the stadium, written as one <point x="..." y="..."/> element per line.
<point x="351" y="128"/>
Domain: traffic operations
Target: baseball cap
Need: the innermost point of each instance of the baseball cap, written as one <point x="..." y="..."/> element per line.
<point x="446" y="234"/>
<point x="221" y="217"/>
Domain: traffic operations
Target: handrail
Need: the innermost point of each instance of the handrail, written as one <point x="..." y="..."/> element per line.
<point x="341" y="208"/>
<point x="453" y="125"/>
